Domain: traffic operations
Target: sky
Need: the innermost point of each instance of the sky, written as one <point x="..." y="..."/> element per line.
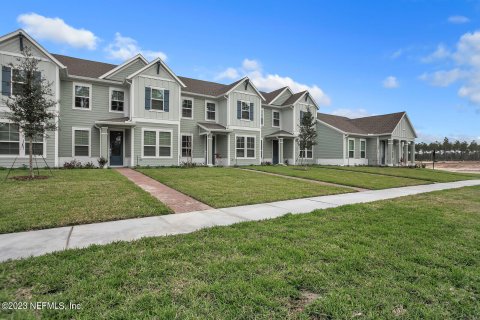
<point x="357" y="58"/>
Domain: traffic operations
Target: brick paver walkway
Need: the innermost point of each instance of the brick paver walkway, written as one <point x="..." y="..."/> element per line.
<point x="177" y="201"/>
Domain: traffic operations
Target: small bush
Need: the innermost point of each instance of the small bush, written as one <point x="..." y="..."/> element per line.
<point x="102" y="162"/>
<point x="73" y="164"/>
<point x="188" y="164"/>
<point x="266" y="163"/>
<point x="89" y="165"/>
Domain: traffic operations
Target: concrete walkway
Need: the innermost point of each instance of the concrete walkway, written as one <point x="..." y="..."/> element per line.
<point x="35" y="243"/>
<point x="175" y="200"/>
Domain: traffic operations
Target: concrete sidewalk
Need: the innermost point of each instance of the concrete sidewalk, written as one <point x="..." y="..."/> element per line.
<point x="35" y="243"/>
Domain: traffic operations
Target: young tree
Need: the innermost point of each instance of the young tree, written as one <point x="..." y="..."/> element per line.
<point x="447" y="146"/>
<point x="308" y="134"/>
<point x="30" y="105"/>
<point x="463" y="149"/>
<point x="456" y="147"/>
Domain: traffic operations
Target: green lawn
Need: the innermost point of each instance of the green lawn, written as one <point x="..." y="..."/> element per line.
<point x="414" y="173"/>
<point x="347" y="178"/>
<point x="413" y="257"/>
<point x="228" y="187"/>
<point x="71" y="197"/>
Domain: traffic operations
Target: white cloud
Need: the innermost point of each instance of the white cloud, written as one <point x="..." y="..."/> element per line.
<point x="468" y="50"/>
<point x="351" y="113"/>
<point x="269" y="82"/>
<point x="440" y="53"/>
<point x="56" y="30"/>
<point x="443" y="78"/>
<point x="397" y="54"/>
<point x="458" y="19"/>
<point x="390" y="82"/>
<point x="123" y="48"/>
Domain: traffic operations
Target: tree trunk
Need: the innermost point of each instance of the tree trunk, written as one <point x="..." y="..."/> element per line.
<point x="30" y="157"/>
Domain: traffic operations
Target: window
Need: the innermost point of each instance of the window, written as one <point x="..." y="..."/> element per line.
<point x="157" y="99"/>
<point x="81" y="142"/>
<point x="187" y="146"/>
<point x="82" y="95"/>
<point x="18" y="77"/>
<point x="301" y="116"/>
<point x="262" y="120"/>
<point x="117" y="100"/>
<point x="9" y="139"/>
<point x="157" y="144"/>
<point x="245" y="110"/>
<point x="14" y="79"/>
<point x="187" y="108"/>
<point x="210" y="113"/>
<point x="245" y="147"/>
<point x="261" y="149"/>
<point x="363" y="149"/>
<point x="307" y="153"/>
<point x="351" y="148"/>
<point x="275" y="119"/>
<point x="37" y="145"/>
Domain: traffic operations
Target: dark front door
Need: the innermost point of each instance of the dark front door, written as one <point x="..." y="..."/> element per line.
<point x="382" y="149"/>
<point x="275" y="151"/>
<point x="116" y="148"/>
<point x="214" y="141"/>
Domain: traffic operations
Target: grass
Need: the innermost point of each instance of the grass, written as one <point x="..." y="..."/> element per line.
<point x="343" y="177"/>
<point x="227" y="187"/>
<point x="71" y="197"/>
<point x="413" y="257"/>
<point x="414" y="173"/>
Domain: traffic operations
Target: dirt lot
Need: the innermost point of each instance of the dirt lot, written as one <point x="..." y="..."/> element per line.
<point x="456" y="166"/>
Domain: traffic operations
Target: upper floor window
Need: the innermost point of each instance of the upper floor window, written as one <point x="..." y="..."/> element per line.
<point x="351" y="148"/>
<point x="82" y="96"/>
<point x="363" y="149"/>
<point x="13" y="80"/>
<point x="275" y="119"/>
<point x="262" y="120"/>
<point x="117" y="101"/>
<point x="18" y="80"/>
<point x="157" y="99"/>
<point x="210" y="111"/>
<point x="187" y="108"/>
<point x="9" y="139"/>
<point x="245" y="110"/>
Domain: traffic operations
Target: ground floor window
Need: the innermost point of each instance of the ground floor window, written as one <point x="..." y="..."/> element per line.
<point x="37" y="145"/>
<point x="351" y="148"/>
<point x="157" y="143"/>
<point x="307" y="153"/>
<point x="245" y="147"/>
<point x="186" y="146"/>
<point x="363" y="149"/>
<point x="9" y="139"/>
<point x="81" y="142"/>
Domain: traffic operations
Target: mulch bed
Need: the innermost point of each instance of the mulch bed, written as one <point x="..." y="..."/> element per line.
<point x="27" y="178"/>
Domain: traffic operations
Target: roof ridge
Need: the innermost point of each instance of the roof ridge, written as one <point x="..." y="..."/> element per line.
<point x="89" y="60"/>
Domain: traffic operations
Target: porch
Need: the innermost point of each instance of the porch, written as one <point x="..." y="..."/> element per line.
<point x="116" y="138"/>
<point x="396" y="152"/>
<point x="280" y="147"/>
<point x="216" y="143"/>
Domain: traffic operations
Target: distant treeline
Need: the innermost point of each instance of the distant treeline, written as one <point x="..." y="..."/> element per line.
<point x="448" y="150"/>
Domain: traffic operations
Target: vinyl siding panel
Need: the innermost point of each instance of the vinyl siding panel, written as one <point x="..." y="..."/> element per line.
<point x="190" y="126"/>
<point x="127" y="70"/>
<point x="329" y="143"/>
<point x="282" y="98"/>
<point x="242" y="162"/>
<point x="174" y="160"/>
<point x="372" y="149"/>
<point x="13" y="45"/>
<point x="403" y="130"/>
<point x="234" y="98"/>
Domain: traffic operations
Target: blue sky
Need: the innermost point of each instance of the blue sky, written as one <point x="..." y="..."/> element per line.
<point x="357" y="57"/>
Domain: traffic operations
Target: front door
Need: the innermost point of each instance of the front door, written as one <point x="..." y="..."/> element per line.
<point x="275" y="151"/>
<point x="214" y="141"/>
<point x="382" y="151"/>
<point x="116" y="148"/>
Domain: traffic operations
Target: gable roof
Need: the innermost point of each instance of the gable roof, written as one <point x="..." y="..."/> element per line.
<point x="380" y="124"/>
<point x="123" y="65"/>
<point x="270" y="96"/>
<point x="84" y="68"/>
<point x="155" y="61"/>
<point x="294" y="98"/>
<point x="203" y="87"/>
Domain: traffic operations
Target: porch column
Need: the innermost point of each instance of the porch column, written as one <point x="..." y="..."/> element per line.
<point x="209" y="149"/>
<point x="294" y="141"/>
<point x="405" y="152"/>
<point x="412" y="150"/>
<point x="228" y="149"/>
<point x="399" y="152"/>
<point x="280" y="150"/>
<point x="104" y="145"/>
<point x="388" y="156"/>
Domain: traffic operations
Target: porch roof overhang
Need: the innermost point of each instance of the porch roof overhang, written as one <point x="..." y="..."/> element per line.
<point x="120" y="122"/>
<point x="210" y="127"/>
<point x="281" y="134"/>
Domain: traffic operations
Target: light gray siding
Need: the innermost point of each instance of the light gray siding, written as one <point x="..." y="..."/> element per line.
<point x="403" y="130"/>
<point x="238" y="96"/>
<point x="127" y="70"/>
<point x="241" y="162"/>
<point x="329" y="143"/>
<point x="372" y="150"/>
<point x="282" y="98"/>
<point x="190" y="126"/>
<point x="13" y="45"/>
<point x="143" y="161"/>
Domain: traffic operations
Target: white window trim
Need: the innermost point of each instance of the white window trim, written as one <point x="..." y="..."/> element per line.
<point x="151" y="95"/>
<point x="181" y="146"/>
<point x="261" y="149"/>
<point x="262" y="118"/>
<point x="245" y="146"/>
<point x="216" y="110"/>
<point x="305" y="154"/>
<point x="181" y="108"/>
<point x="279" y="119"/>
<point x="348" y="146"/>
<point x="89" y="96"/>
<point x="363" y="140"/>
<point x="22" y="153"/>
<point x="157" y="145"/>
<point x="241" y="111"/>
<point x="110" y="99"/>
<point x="89" y="140"/>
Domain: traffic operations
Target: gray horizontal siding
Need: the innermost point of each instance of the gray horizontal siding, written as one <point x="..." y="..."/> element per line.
<point x="329" y="143"/>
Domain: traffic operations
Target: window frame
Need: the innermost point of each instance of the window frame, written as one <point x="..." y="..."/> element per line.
<point x="262" y="117"/>
<point x="206" y="110"/>
<point x="273" y="119"/>
<point x="89" y="141"/>
<point x="305" y="153"/>
<point x="157" y="143"/>
<point x="182" y="147"/>
<point x="151" y="99"/>
<point x="348" y="148"/>
<point x="79" y="84"/>
<point x="10" y="141"/>
<point x="245" y="146"/>
<point x="181" y="111"/>
<point x="110" y="100"/>
<point x="22" y="151"/>
<point x="12" y="70"/>
<point x="363" y="141"/>
<point x="247" y="104"/>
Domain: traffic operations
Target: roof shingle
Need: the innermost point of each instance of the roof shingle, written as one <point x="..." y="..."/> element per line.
<point x="380" y="124"/>
<point x="84" y="68"/>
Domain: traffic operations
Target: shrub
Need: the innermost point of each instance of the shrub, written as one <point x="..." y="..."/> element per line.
<point x="102" y="162"/>
<point x="89" y="165"/>
<point x="266" y="163"/>
<point x="73" y="164"/>
<point x="188" y="164"/>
